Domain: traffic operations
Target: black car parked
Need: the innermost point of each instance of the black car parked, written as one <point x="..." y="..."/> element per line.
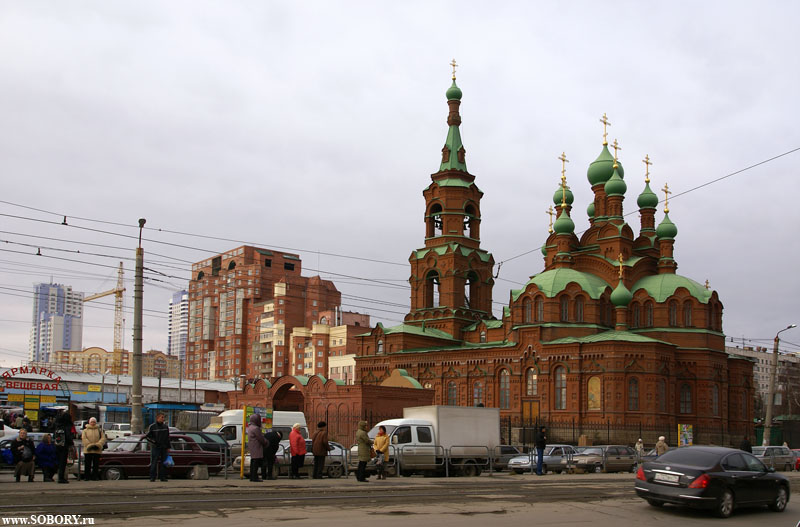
<point x="716" y="478"/>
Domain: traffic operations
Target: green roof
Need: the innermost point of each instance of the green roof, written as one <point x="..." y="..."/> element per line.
<point x="291" y="257"/>
<point x="264" y="252"/>
<point x="453" y="143"/>
<point x="490" y="323"/>
<point x="417" y="330"/>
<point x="662" y="286"/>
<point x="606" y="336"/>
<point x="442" y="249"/>
<point x="462" y="346"/>
<point x="414" y="382"/>
<point x="454" y="182"/>
<point x="554" y="281"/>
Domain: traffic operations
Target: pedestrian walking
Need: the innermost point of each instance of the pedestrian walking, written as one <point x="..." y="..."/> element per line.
<point x="256" y="443"/>
<point x="364" y="447"/>
<point x="639" y="447"/>
<point x="24" y="454"/>
<point x="64" y="441"/>
<point x="273" y="438"/>
<point x="46" y="457"/>
<point x="93" y="438"/>
<point x="320" y="447"/>
<point x="158" y="437"/>
<point x="297" y="448"/>
<point x="661" y="446"/>
<point x="541" y="443"/>
<point x="381" y="446"/>
<point x="745" y="445"/>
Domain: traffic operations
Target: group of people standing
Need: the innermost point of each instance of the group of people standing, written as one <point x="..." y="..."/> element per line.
<point x="263" y="448"/>
<point x="52" y="453"/>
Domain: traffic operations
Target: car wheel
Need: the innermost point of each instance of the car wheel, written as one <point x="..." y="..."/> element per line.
<point x="335" y="471"/>
<point x="779" y="503"/>
<point x="469" y="470"/>
<point x="725" y="504"/>
<point x="114" y="473"/>
<point x="598" y="468"/>
<point x="193" y="472"/>
<point x="654" y="503"/>
<point x="518" y="471"/>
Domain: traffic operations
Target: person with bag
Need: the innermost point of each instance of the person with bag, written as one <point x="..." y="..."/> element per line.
<point x="46" y="457"/>
<point x="364" y="451"/>
<point x="256" y="443"/>
<point x="320" y="447"/>
<point x="297" y="447"/>
<point x="381" y="446"/>
<point x="24" y="454"/>
<point x="63" y="439"/>
<point x="93" y="439"/>
<point x="158" y="437"/>
<point x="273" y="438"/>
<point x="541" y="444"/>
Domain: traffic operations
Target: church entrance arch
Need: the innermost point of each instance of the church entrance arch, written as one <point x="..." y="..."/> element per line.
<point x="288" y="395"/>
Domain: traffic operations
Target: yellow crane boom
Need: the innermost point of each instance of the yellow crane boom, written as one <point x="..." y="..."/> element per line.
<point x="119" y="321"/>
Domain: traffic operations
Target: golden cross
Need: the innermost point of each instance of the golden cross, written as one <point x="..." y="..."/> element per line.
<point x="453" y="63"/>
<point x="550" y="213"/>
<point x="647" y="164"/>
<point x="666" y="192"/>
<point x="707" y="284"/>
<point x="616" y="147"/>
<point x="564" y="162"/>
<point x="605" y="122"/>
<point x="620" y="265"/>
<point x="563" y="191"/>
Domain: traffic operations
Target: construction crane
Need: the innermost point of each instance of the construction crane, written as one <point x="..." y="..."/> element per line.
<point x="119" y="321"/>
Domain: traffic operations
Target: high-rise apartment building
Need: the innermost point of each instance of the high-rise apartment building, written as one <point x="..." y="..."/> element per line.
<point x="57" y="321"/>
<point x="178" y="325"/>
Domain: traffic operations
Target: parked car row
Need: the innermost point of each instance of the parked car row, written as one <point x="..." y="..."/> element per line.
<point x="334" y="461"/>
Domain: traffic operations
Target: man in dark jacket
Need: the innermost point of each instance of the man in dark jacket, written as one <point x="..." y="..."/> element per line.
<point x="256" y="443"/>
<point x="745" y="445"/>
<point x="319" y="447"/>
<point x="541" y="443"/>
<point x="63" y="439"/>
<point x="273" y="438"/>
<point x="158" y="437"/>
<point x="23" y="450"/>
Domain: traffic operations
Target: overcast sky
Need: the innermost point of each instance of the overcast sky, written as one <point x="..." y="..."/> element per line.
<point x="315" y="126"/>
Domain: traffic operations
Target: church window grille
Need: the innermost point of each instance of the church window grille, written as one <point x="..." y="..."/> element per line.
<point x="564" y="309"/>
<point x="560" y="375"/>
<point x="539" y="309"/>
<point x="648" y="315"/>
<point x="483" y="335"/>
<point x="636" y="310"/>
<point x="673" y="313"/>
<point x="505" y="390"/>
<point x="687" y="314"/>
<point x="531" y="383"/>
<point x="379" y="349"/>
<point x="477" y="393"/>
<point x="633" y="394"/>
<point x="452" y="394"/>
<point x="686" y="399"/>
<point x="527" y="310"/>
<point x="579" y="309"/>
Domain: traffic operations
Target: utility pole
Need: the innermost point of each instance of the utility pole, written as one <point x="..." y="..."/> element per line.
<point x="773" y="371"/>
<point x="180" y="381"/>
<point x="159" y="386"/>
<point x="136" y="383"/>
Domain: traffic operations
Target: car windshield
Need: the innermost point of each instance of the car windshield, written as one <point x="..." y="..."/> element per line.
<point x="759" y="450"/>
<point x="591" y="452"/>
<point x="690" y="457"/>
<point x="123" y="445"/>
<point x="374" y="432"/>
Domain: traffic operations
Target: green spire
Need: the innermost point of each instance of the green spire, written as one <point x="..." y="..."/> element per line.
<point x="453" y="151"/>
<point x="666" y="229"/>
<point x="621" y="296"/>
<point x="560" y="194"/>
<point x="615" y="186"/>
<point x="602" y="168"/>
<point x="453" y="92"/>
<point x="564" y="224"/>
<point x="647" y="199"/>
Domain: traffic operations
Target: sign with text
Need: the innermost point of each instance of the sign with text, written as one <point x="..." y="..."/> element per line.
<point x="94" y="388"/>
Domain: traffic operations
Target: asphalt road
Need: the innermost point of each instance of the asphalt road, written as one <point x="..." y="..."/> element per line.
<point x="576" y="499"/>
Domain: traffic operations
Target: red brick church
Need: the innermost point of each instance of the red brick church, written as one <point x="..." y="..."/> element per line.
<point x="606" y="334"/>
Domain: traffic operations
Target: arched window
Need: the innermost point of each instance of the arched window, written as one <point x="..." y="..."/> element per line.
<point x="662" y="395"/>
<point x="452" y="394"/>
<point x="560" y="375"/>
<point x="432" y="289"/>
<point x="633" y="394"/>
<point x="323" y="320"/>
<point x="483" y="335"/>
<point x="200" y="275"/>
<point x="564" y="309"/>
<point x="594" y="394"/>
<point x="477" y="393"/>
<point x="648" y="314"/>
<point x="531" y="382"/>
<point x="434" y="227"/>
<point x="539" y="305"/>
<point x="505" y="390"/>
<point x="673" y="313"/>
<point x="636" y="315"/>
<point x="687" y="314"/>
<point x="232" y="265"/>
<point x="471" y="289"/>
<point x="715" y="400"/>
<point x="579" y="309"/>
<point x="471" y="222"/>
<point x="686" y="399"/>
<point x="379" y="349"/>
<point x="527" y="314"/>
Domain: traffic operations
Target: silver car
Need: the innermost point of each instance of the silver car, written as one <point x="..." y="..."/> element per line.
<point x="777" y="457"/>
<point x="555" y="459"/>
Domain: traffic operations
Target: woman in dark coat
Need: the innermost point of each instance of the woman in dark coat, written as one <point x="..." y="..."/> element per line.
<point x="63" y="439"/>
<point x="256" y="442"/>
<point x="46" y="457"/>
<point x="274" y="437"/>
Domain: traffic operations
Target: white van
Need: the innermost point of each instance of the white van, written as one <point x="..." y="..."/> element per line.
<point x="229" y="424"/>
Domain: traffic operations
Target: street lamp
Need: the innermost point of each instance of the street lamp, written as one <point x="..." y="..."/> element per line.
<point x="773" y="372"/>
<point x="103" y="387"/>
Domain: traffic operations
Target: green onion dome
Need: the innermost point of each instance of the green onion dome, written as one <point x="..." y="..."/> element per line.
<point x="564" y="224"/>
<point x="566" y="196"/>
<point x="590" y="210"/>
<point x="602" y="168"/>
<point x="453" y="92"/>
<point x="647" y="199"/>
<point x="620" y="296"/>
<point x="616" y="185"/>
<point x="544" y="249"/>
<point x="666" y="229"/>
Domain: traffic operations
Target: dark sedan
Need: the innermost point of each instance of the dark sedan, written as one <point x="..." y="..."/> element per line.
<point x="716" y="478"/>
<point x="130" y="456"/>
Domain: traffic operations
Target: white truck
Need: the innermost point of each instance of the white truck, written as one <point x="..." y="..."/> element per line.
<point x="229" y="424"/>
<point x="456" y="440"/>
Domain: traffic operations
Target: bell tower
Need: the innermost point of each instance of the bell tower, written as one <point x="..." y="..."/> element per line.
<point x="451" y="276"/>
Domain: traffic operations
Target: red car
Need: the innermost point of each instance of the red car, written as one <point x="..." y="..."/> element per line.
<point x="796" y="452"/>
<point x="130" y="456"/>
